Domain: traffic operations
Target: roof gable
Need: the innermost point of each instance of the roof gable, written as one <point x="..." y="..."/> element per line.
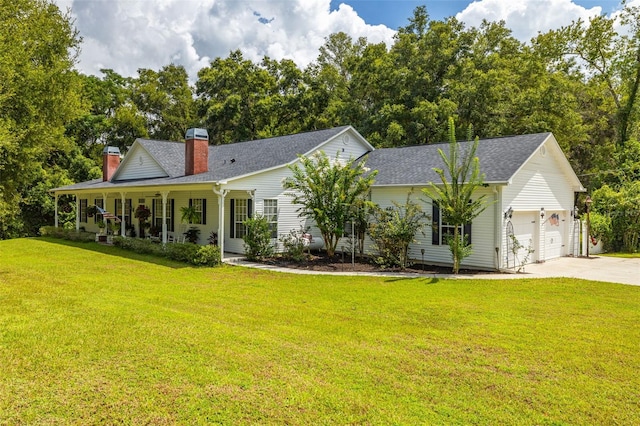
<point x="139" y="163"/>
<point x="500" y="159"/>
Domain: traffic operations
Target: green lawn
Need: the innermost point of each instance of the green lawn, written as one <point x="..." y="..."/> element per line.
<point x="93" y="335"/>
<point x="623" y="255"/>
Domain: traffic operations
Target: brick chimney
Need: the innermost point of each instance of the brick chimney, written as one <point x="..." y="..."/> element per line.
<point x="196" y="152"/>
<point x="110" y="162"/>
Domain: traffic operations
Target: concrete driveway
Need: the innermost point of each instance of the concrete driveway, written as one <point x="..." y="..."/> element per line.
<point x="596" y="268"/>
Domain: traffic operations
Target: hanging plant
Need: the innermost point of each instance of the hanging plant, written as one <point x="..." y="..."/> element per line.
<point x="142" y="213"/>
<point x="189" y="214"/>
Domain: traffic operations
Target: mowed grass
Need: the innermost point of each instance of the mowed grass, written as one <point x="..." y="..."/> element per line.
<point x="94" y="335"/>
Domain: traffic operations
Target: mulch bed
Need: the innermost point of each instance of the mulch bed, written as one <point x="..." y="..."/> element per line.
<point x="322" y="263"/>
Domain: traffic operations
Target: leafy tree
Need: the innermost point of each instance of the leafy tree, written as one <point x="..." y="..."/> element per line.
<point x="459" y="180"/>
<point x="39" y="94"/>
<point x="166" y="101"/>
<point x="326" y="190"/>
<point x="616" y="216"/>
<point x="609" y="57"/>
<point x="393" y="230"/>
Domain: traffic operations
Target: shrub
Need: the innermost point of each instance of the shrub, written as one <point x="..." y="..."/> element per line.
<point x="67" y="234"/>
<point x="257" y="240"/>
<point x="207" y="256"/>
<point x="294" y="245"/>
<point x="192" y="235"/>
<point x="181" y="252"/>
<point x="393" y="229"/>
<point x="138" y="245"/>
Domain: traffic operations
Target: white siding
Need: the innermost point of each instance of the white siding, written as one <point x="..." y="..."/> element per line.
<point x="540" y="183"/>
<point x="347" y="145"/>
<point x="266" y="185"/>
<point x="482" y="230"/>
<point x="139" y="165"/>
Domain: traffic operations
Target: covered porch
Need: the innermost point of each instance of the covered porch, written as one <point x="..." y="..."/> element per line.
<point x="215" y="214"/>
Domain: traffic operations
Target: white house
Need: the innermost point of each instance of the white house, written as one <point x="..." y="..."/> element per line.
<point x="528" y="179"/>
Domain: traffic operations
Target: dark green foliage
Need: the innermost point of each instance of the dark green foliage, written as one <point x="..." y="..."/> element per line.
<point x="393" y="229"/>
<point x="67" y="234"/>
<point x="180" y="252"/>
<point x="257" y="241"/>
<point x="615" y="216"/>
<point x="327" y="190"/>
<point x="39" y="95"/>
<point x="192" y="235"/>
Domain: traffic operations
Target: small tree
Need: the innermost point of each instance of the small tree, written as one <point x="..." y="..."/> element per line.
<point x="257" y="240"/>
<point x="393" y="229"/>
<point x="327" y="191"/>
<point x="458" y="181"/>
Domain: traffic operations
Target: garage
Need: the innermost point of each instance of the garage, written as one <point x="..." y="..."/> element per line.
<point x="554" y="235"/>
<point x="523" y="227"/>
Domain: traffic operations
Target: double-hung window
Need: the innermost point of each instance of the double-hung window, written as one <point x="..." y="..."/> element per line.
<point x="156" y="213"/>
<point x="442" y="231"/>
<point x="200" y="206"/>
<point x="270" y="213"/>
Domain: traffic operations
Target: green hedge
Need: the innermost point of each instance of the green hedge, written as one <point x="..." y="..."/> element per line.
<point x="180" y="252"/>
<point x="67" y="234"/>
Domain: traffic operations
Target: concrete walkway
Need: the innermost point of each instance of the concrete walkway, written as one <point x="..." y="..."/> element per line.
<point x="596" y="268"/>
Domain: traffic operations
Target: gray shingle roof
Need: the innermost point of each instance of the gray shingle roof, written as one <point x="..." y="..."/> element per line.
<point x="225" y="161"/>
<point x="499" y="158"/>
<point x="238" y="159"/>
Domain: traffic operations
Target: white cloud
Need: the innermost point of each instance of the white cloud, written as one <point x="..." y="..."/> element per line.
<point x="126" y="35"/>
<point x="526" y="17"/>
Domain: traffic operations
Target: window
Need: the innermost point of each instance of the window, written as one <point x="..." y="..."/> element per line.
<point x="441" y="231"/>
<point x="83" y="210"/>
<point x="98" y="202"/>
<point x="270" y="212"/>
<point x="200" y="204"/>
<point x="156" y="213"/>
<point x="241" y="209"/>
<point x="127" y="210"/>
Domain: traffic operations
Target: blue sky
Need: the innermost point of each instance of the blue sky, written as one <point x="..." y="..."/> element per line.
<point x="127" y="35"/>
<point x="395" y="13"/>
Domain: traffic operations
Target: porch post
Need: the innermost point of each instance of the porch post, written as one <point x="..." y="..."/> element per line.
<point x="123" y="222"/>
<point x="77" y="213"/>
<point x="164" y="216"/>
<point x="221" y="193"/>
<point x="55" y="220"/>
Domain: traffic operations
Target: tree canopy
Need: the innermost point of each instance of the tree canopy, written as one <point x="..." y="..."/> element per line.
<point x="580" y="82"/>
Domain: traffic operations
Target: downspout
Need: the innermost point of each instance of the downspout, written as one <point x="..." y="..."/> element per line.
<point x="221" y="193"/>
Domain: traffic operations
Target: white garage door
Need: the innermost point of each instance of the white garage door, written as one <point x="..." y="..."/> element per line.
<point x="554" y="235"/>
<point x="524" y="229"/>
